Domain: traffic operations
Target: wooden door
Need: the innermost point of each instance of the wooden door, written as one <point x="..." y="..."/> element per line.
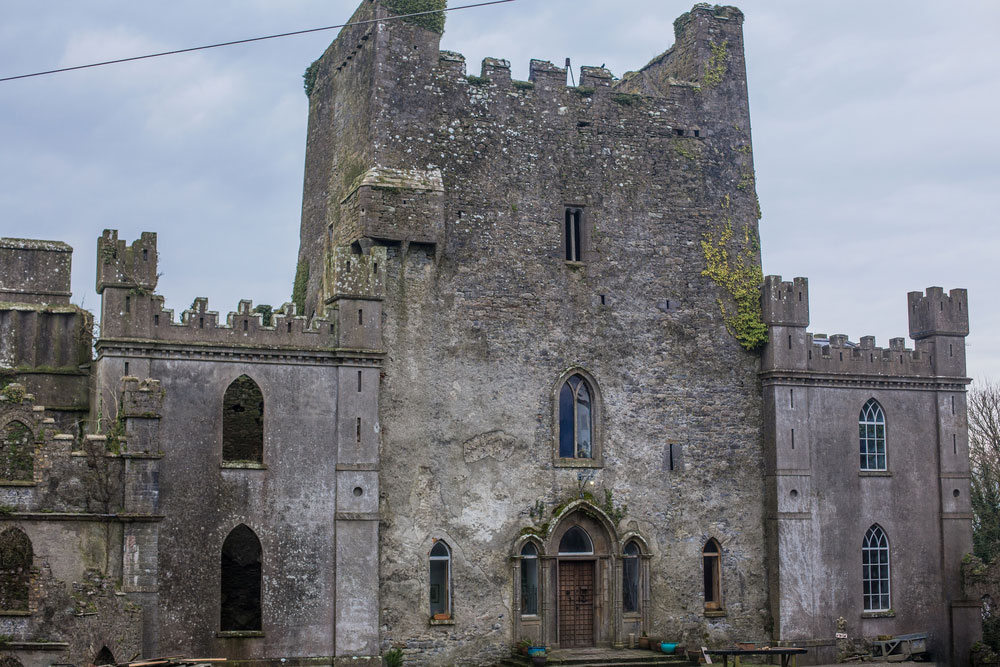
<point x="576" y="603"/>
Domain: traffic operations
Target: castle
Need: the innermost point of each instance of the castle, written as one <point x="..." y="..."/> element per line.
<point x="532" y="384"/>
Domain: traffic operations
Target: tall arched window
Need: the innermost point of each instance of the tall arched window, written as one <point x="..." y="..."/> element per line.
<point x="440" y="591"/>
<point x="712" y="561"/>
<point x="630" y="578"/>
<point x="17" y="453"/>
<point x="576" y="419"/>
<point x="875" y="569"/>
<point x="243" y="422"/>
<point x="16" y="557"/>
<point x="529" y="580"/>
<point x="241" y="581"/>
<point x="871" y="430"/>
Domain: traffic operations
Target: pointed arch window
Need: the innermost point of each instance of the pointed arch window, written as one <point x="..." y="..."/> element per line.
<point x="871" y="431"/>
<point x="712" y="560"/>
<point x="241" y="581"/>
<point x="17" y="453"/>
<point x="16" y="557"/>
<point x="576" y="419"/>
<point x="630" y="578"/>
<point x="243" y="422"/>
<point x="529" y="580"/>
<point x="440" y="590"/>
<point x="104" y="657"/>
<point x="875" y="570"/>
<point x="576" y="542"/>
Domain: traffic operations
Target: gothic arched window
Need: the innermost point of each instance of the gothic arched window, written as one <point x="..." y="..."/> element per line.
<point x="529" y="580"/>
<point x="712" y="560"/>
<point x="630" y="578"/>
<point x="243" y="422"/>
<point x="241" y="581"/>
<point x="440" y="581"/>
<point x="871" y="430"/>
<point x="576" y="419"/>
<point x="576" y="541"/>
<point x="16" y="556"/>
<point x="875" y="569"/>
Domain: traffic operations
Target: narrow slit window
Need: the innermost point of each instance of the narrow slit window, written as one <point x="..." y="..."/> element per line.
<point x="440" y="580"/>
<point x="359" y="429"/>
<point x="359" y="380"/>
<point x="529" y="580"/>
<point x="712" y="562"/>
<point x="630" y="578"/>
<point x="361" y="316"/>
<point x="574" y="234"/>
<point x="126" y="368"/>
<point x="128" y="304"/>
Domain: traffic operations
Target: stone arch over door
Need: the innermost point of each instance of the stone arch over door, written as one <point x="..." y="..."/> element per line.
<point x="581" y="602"/>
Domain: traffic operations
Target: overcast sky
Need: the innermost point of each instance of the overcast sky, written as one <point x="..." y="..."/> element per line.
<point x="875" y="131"/>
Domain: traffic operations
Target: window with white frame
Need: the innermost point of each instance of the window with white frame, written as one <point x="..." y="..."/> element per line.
<point x="875" y="569"/>
<point x="871" y="431"/>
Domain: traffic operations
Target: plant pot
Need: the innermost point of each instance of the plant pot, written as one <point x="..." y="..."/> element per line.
<point x="668" y="647"/>
<point x="644" y="643"/>
<point x="523" y="650"/>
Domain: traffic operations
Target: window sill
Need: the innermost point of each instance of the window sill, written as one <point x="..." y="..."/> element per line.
<point x="578" y="463"/>
<point x="573" y="264"/>
<point x="442" y="621"/>
<point x="240" y="634"/>
<point x="243" y="465"/>
<point x="14" y="612"/>
<point x="874" y="473"/>
<point x="879" y="614"/>
<point x="715" y="613"/>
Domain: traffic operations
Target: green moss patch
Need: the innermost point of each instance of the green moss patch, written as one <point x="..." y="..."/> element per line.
<point x="739" y="273"/>
<point x="300" y="285"/>
<point x="433" y="21"/>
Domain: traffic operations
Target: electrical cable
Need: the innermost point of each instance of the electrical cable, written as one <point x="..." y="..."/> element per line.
<point x="246" y="41"/>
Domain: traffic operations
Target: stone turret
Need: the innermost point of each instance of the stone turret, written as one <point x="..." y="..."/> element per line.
<point x="939" y="324"/>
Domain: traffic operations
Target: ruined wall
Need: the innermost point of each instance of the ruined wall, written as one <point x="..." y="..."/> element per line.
<point x="820" y="500"/>
<point x="481" y="323"/>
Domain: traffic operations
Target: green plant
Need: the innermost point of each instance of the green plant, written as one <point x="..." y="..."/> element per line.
<point x="626" y="99"/>
<point x="583" y="91"/>
<point x="393" y="657"/>
<point x="267" y="311"/>
<point x="14" y="393"/>
<point x="616" y="512"/>
<point x="715" y="68"/>
<point x="433" y="21"/>
<point x="477" y="80"/>
<point x="739" y="273"/>
<point x="523" y="85"/>
<point x="309" y="78"/>
<point x="300" y="285"/>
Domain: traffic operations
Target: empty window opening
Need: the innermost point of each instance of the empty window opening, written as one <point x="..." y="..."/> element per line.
<point x="331" y="328"/>
<point x="793" y="438"/>
<point x="871" y="432"/>
<point x="105" y="656"/>
<point x="711" y="560"/>
<point x="871" y="357"/>
<point x="789" y="341"/>
<point x="16" y="556"/>
<point x="952" y="405"/>
<point x="156" y="320"/>
<point x="17" y="453"/>
<point x="358" y="435"/>
<point x="145" y="255"/>
<point x="875" y="570"/>
<point x="679" y="132"/>
<point x="603" y="302"/>
<point x="241" y="581"/>
<point x="529" y="580"/>
<point x="940" y="305"/>
<point x="128" y="304"/>
<point x="671" y="456"/>
<point x="245" y="325"/>
<point x="956" y="493"/>
<point x="201" y="322"/>
<point x="954" y="444"/>
<point x="841" y="356"/>
<point x="794" y="493"/>
<point x="951" y="351"/>
<point x="791" y="398"/>
<point x="810" y="354"/>
<point x="374" y="268"/>
<point x="630" y="578"/>
<point x="361" y="316"/>
<point x="900" y="358"/>
<point x="697" y="133"/>
<point x="440" y="580"/>
<point x="243" y="421"/>
<point x="358" y="492"/>
<point x="576" y="541"/>
<point x="349" y="262"/>
<point x="573" y="234"/>
<point x="575" y="419"/>
<point x="959" y="306"/>
<point x="359" y="380"/>
<point x="126" y="368"/>
<point x="289" y="327"/>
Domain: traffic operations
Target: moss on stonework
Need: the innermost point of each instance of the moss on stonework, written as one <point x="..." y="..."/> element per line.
<point x="523" y="85"/>
<point x="309" y="77"/>
<point x="300" y="285"/>
<point x="267" y="311"/>
<point x="477" y="80"/>
<point x="626" y="99"/>
<point x="14" y="393"/>
<point x="740" y="274"/>
<point x="433" y="21"/>
<point x="583" y="91"/>
<point x="715" y="68"/>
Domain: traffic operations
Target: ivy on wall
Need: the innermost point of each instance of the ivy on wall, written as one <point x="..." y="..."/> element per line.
<point x="740" y="274"/>
<point x="433" y="22"/>
<point x="300" y="285"/>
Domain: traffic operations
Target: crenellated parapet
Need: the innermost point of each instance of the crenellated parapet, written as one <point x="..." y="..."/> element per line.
<point x="938" y="324"/>
<point x="34" y="271"/>
<point x="122" y="265"/>
<point x="936" y="313"/>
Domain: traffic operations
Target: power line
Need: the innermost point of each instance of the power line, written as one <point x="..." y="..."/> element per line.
<point x="246" y="41"/>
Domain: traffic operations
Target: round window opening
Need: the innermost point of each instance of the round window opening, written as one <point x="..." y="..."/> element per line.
<point x="956" y="493"/>
<point x="358" y="491"/>
<point x="795" y="494"/>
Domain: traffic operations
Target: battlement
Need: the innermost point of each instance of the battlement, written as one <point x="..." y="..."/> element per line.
<point x="935" y="314"/>
<point x="837" y="354"/>
<point x="33" y="271"/>
<point x="141" y="398"/>
<point x="123" y="265"/>
<point x="785" y="303"/>
<point x="355" y="276"/>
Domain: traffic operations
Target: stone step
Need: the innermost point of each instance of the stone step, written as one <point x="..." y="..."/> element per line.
<point x="623" y="658"/>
